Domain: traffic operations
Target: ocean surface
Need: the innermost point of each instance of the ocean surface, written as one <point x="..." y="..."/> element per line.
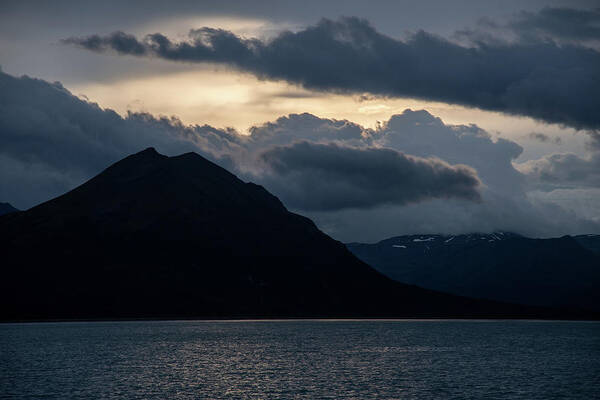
<point x="301" y="360"/>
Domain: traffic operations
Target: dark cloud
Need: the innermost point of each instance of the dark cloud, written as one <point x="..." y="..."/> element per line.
<point x="51" y="141"/>
<point x="311" y="176"/>
<point x="118" y="41"/>
<point x="543" y="138"/>
<point x="364" y="179"/>
<point x="420" y="133"/>
<point x="558" y="23"/>
<point x="506" y="204"/>
<point x="562" y="25"/>
<point x="557" y="84"/>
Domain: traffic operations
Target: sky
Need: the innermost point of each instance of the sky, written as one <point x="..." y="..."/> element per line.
<point x="372" y="118"/>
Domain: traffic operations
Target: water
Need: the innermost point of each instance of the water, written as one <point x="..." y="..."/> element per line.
<point x="301" y="360"/>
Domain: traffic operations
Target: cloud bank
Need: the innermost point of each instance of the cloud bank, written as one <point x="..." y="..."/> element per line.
<point x="558" y="23"/>
<point x="51" y="141"/>
<point x="414" y="173"/>
<point x="538" y="78"/>
<point x="325" y="177"/>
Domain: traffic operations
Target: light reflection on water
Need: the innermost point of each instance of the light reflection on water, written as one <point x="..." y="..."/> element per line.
<point x="301" y="359"/>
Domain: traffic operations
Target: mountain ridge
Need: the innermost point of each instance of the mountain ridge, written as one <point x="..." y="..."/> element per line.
<point x="180" y="237"/>
<point x="501" y="266"/>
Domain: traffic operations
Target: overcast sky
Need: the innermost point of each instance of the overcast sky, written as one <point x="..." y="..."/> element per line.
<point x="373" y="118"/>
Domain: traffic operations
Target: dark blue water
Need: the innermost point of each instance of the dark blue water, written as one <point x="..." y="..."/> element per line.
<point x="301" y="360"/>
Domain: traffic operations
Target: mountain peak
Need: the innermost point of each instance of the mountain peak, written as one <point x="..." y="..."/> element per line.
<point x="158" y="236"/>
<point x="502" y="266"/>
<point x="148" y="151"/>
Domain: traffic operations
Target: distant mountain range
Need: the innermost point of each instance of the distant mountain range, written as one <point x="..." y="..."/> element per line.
<point x="6" y="208"/>
<point x="179" y="237"/>
<point x="560" y="272"/>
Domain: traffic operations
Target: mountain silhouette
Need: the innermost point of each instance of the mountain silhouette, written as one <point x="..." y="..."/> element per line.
<point x="180" y="237"/>
<point x="558" y="272"/>
<point x="6" y="208"/>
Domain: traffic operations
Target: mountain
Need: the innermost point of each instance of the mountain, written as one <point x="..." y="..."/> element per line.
<point x="560" y="272"/>
<point x="180" y="237"/>
<point x="6" y="208"/>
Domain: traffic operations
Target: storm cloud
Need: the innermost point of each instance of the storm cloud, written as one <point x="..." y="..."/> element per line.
<point x="413" y="173"/>
<point x="539" y="79"/>
<point x="558" y="23"/>
<point x="333" y="177"/>
<point x="52" y="141"/>
<point x="504" y="191"/>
